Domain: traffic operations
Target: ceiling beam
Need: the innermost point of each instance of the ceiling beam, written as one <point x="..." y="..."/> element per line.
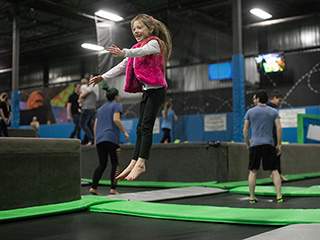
<point x="55" y="8"/>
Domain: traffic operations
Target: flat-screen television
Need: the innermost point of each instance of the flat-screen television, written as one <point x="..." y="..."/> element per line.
<point x="219" y="71"/>
<point x="271" y="62"/>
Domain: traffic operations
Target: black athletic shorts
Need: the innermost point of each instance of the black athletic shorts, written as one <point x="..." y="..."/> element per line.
<point x="268" y="155"/>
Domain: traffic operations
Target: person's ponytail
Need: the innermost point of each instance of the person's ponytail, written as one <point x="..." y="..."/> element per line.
<point x="111" y="93"/>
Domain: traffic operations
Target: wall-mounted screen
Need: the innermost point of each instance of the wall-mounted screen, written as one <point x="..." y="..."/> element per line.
<point x="272" y="62"/>
<point x="220" y="71"/>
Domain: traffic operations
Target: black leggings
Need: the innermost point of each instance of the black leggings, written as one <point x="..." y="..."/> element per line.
<point x="3" y="128"/>
<point x="166" y="135"/>
<point x="103" y="149"/>
<point x="149" y="106"/>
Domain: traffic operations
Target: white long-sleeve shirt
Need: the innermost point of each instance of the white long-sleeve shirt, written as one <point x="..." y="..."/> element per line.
<point x="152" y="47"/>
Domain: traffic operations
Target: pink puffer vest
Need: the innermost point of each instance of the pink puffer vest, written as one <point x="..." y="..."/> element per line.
<point x="148" y="69"/>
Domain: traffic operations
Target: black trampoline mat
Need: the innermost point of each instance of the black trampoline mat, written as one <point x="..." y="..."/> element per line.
<point x="96" y="226"/>
<point x="302" y="183"/>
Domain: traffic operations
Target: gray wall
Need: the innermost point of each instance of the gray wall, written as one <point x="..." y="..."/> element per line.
<point x="198" y="162"/>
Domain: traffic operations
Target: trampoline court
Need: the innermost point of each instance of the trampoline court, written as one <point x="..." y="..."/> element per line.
<point x="147" y="210"/>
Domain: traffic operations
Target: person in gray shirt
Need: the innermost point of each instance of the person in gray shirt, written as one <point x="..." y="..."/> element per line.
<point x="262" y="119"/>
<point x="87" y="99"/>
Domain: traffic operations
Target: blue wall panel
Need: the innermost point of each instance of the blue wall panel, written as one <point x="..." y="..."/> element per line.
<point x="188" y="128"/>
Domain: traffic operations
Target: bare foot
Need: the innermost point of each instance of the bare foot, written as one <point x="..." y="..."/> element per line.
<point x="126" y="172"/>
<point x="271" y="176"/>
<point x="283" y="178"/>
<point x="89" y="144"/>
<point x="94" y="192"/>
<point x="139" y="168"/>
<point x="114" y="192"/>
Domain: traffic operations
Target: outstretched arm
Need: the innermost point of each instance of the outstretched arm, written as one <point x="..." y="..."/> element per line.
<point x="115" y="71"/>
<point x="151" y="47"/>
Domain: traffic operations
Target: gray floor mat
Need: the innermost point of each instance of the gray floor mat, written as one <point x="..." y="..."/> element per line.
<point x="292" y="232"/>
<point x="157" y="195"/>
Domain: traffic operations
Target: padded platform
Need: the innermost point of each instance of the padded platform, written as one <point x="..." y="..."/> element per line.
<point x="157" y="195"/>
<point x="39" y="171"/>
<point x="292" y="232"/>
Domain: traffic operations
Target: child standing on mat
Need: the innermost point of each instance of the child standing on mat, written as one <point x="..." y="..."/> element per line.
<point x="145" y="72"/>
<point x="168" y="116"/>
<point x="107" y="129"/>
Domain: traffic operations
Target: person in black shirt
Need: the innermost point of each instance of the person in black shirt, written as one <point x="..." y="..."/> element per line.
<point x="274" y="102"/>
<point x="5" y="114"/>
<point x="73" y="111"/>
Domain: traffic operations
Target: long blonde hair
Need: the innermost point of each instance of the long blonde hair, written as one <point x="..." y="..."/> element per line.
<point x="166" y="107"/>
<point x="4" y="98"/>
<point x="159" y="30"/>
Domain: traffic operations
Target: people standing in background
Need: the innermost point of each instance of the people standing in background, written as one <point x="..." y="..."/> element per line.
<point x="87" y="99"/>
<point x="5" y="114"/>
<point x="274" y="102"/>
<point x="262" y="119"/>
<point x="107" y="129"/>
<point x="168" y="115"/>
<point x="73" y="111"/>
<point x="145" y="72"/>
<point x="35" y="125"/>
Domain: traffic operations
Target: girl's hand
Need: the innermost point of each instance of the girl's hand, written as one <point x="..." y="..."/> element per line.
<point x="116" y="52"/>
<point x="95" y="80"/>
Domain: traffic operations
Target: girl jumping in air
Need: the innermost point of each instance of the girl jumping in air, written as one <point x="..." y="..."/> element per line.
<point x="145" y="72"/>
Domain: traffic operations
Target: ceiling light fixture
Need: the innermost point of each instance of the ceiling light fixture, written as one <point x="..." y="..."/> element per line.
<point x="5" y="70"/>
<point x="260" y="13"/>
<point x="110" y="16"/>
<point x="92" y="47"/>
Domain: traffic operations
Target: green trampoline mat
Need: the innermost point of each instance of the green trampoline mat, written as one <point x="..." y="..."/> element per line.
<point x="224" y="185"/>
<point x="77" y="205"/>
<point x="210" y="213"/>
<point x="264" y="181"/>
<point x="154" y="184"/>
<point x="286" y="191"/>
<point x="311" y="175"/>
<point x="89" y="200"/>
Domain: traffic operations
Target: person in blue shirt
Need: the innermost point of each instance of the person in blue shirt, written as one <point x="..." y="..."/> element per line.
<point x="107" y="129"/>
<point x="262" y="119"/>
<point x="168" y="115"/>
